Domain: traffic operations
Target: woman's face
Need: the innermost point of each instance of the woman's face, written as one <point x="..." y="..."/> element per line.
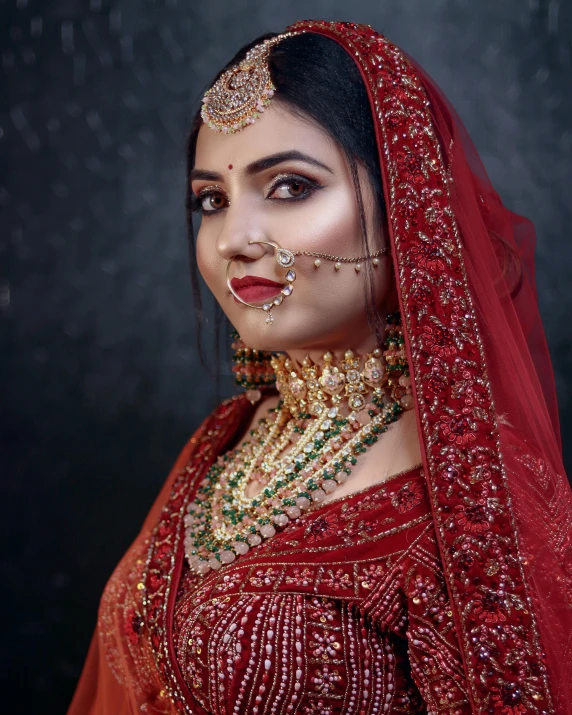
<point x="283" y="179"/>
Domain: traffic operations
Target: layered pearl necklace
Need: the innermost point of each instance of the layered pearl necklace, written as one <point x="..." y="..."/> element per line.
<point x="301" y="452"/>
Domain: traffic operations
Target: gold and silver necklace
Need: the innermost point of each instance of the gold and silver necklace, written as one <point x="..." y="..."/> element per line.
<point x="300" y="453"/>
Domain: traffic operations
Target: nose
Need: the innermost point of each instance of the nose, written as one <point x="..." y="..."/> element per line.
<point x="239" y="236"/>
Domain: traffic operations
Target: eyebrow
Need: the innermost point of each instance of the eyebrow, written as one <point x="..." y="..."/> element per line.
<point x="259" y="165"/>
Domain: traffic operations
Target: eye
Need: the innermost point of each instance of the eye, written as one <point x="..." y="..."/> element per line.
<point x="292" y="188"/>
<point x="210" y="201"/>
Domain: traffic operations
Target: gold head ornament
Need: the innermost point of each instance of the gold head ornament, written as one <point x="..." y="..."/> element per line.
<point x="240" y="94"/>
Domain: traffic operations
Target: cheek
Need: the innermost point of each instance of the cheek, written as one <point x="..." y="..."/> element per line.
<point x="332" y="225"/>
<point x="334" y="228"/>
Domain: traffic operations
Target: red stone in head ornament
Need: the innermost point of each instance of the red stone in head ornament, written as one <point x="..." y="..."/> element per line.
<point x="468" y="333"/>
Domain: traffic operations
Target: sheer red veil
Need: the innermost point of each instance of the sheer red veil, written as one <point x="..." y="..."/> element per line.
<point x="485" y="403"/>
<point x="483" y="385"/>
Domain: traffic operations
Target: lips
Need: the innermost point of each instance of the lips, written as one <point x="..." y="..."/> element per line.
<point x="254" y="289"/>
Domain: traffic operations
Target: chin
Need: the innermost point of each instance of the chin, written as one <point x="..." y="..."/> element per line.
<point x="256" y="334"/>
<point x="259" y="337"/>
<point x="289" y="332"/>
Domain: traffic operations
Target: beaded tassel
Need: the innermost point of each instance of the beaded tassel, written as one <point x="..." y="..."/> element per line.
<point x="252" y="369"/>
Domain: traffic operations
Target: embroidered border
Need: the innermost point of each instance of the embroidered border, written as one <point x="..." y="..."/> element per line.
<point x="467" y="480"/>
<point x="164" y="559"/>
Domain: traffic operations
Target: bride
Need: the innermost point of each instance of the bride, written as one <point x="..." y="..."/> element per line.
<point x="380" y="521"/>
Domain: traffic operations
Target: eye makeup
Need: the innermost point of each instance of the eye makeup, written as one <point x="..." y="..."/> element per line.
<point x="197" y="200"/>
<point x="291" y="179"/>
<point x="309" y="187"/>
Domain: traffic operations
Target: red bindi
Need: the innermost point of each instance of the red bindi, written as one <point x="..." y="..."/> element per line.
<point x="230" y="166"/>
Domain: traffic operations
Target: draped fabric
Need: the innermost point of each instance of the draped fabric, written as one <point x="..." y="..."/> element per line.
<point x="499" y="504"/>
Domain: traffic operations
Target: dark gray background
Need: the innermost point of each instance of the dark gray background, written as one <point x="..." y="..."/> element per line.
<point x="101" y="381"/>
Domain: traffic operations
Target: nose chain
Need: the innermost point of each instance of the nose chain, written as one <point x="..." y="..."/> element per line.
<point x="286" y="259"/>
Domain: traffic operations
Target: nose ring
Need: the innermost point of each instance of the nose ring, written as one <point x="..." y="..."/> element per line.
<point x="285" y="259"/>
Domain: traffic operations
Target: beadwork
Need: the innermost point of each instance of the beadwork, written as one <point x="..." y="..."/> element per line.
<point x="252" y="369"/>
<point x="241" y="93"/>
<point x="299" y="454"/>
<point x="473" y="641"/>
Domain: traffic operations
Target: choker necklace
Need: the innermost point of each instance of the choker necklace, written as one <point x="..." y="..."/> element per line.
<point x="299" y="453"/>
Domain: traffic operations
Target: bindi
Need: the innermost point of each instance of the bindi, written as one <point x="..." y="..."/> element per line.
<point x="230" y="166"/>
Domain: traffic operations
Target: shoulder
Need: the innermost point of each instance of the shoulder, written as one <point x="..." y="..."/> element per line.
<point x="218" y="430"/>
<point x="215" y="434"/>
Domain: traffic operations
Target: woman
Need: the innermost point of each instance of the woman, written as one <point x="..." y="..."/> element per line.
<point x="390" y="531"/>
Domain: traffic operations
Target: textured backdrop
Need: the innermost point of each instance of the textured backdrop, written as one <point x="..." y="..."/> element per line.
<point x="101" y="380"/>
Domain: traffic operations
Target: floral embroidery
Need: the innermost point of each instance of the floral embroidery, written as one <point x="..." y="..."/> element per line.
<point x="408" y="497"/>
<point x="301" y="577"/>
<point x="508" y="699"/>
<point x="356" y="530"/>
<point x="318" y="707"/>
<point x="321" y="528"/>
<point x="133" y="625"/>
<point x="422" y="295"/>
<point x="460" y="429"/>
<point x="473" y="516"/>
<point x="490" y="607"/>
<point x="337" y="580"/>
<point x="229" y="581"/>
<point x="325" y="645"/>
<point x="506" y="672"/>
<point x="436" y="382"/>
<point x="264" y="577"/>
<point x="440" y="340"/>
<point x="429" y="254"/>
<point x="369" y="502"/>
<point x="412" y="166"/>
<point x="326" y="679"/>
<point x="322" y="610"/>
<point x="370" y="576"/>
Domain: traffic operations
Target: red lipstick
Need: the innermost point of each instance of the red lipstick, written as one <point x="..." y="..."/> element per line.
<point x="253" y="289"/>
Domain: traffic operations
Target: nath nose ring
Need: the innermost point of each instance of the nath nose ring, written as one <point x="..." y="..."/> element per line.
<point x="285" y="259"/>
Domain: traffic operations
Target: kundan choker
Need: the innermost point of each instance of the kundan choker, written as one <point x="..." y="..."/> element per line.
<point x="301" y="452"/>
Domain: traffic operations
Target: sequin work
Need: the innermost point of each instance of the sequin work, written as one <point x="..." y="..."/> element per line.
<point x="329" y="617"/>
<point x="461" y="433"/>
<point x="155" y="617"/>
<point x="344" y="611"/>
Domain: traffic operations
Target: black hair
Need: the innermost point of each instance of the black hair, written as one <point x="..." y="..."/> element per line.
<point x="318" y="80"/>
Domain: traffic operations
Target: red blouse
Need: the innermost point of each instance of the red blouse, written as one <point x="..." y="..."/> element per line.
<point x="344" y="611"/>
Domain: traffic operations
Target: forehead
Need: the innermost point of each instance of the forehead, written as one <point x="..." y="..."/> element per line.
<point x="276" y="130"/>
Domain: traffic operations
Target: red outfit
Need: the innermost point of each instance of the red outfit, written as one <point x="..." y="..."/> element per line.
<point x="344" y="611"/>
<point x="467" y="561"/>
<point x="340" y="613"/>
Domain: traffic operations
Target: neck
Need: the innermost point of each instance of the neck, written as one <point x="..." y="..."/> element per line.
<point x="348" y="380"/>
<point x="316" y="355"/>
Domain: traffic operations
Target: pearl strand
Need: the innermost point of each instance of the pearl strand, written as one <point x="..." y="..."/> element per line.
<point x="299" y="454"/>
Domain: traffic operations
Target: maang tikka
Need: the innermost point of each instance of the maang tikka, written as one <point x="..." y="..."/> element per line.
<point x="241" y="93"/>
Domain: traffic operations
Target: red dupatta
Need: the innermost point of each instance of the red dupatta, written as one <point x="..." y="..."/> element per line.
<point x="465" y="273"/>
<point x="486" y="409"/>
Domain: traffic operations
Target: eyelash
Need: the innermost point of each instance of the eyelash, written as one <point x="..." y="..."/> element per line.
<point x="310" y="188"/>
